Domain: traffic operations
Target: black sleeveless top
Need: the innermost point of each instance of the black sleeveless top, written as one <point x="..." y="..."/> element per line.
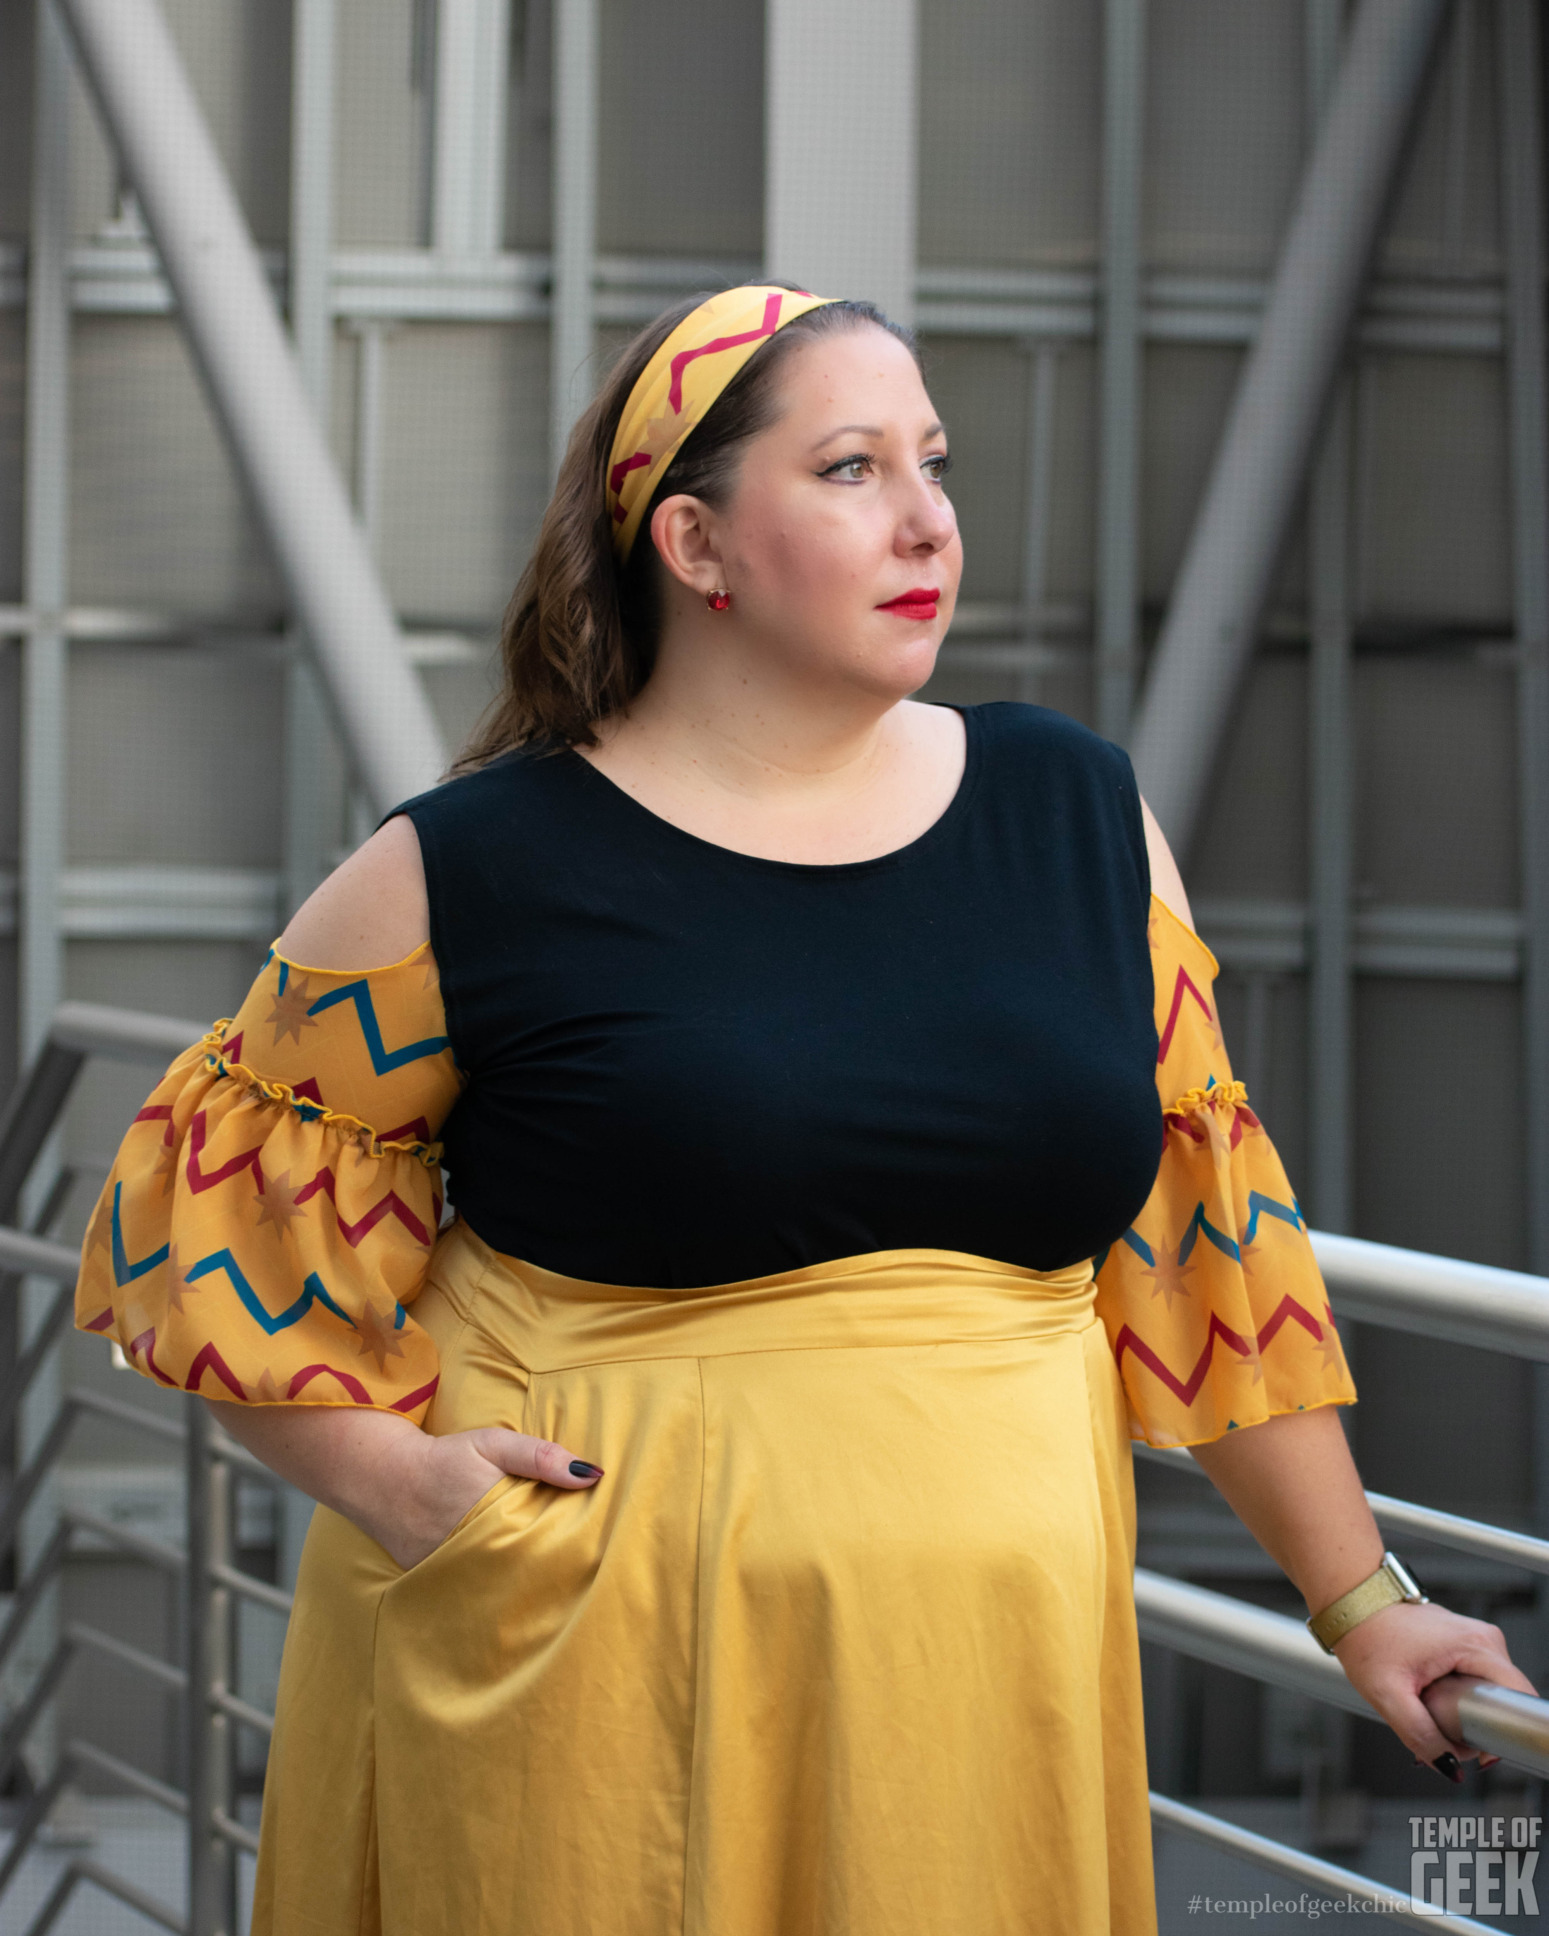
<point x="688" y="1066"/>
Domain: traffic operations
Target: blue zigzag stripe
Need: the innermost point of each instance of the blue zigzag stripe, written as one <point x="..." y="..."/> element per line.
<point x="123" y="1271"/>
<point x="1259" y="1203"/>
<point x="312" y="1292"/>
<point x="1200" y="1225"/>
<point x="383" y="1061"/>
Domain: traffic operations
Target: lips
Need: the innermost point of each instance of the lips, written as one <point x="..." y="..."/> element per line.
<point x="918" y="602"/>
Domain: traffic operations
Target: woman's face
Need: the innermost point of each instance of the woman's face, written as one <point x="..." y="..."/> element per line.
<point x="840" y="545"/>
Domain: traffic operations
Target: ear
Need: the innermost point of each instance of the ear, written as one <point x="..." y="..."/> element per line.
<point x="683" y="529"/>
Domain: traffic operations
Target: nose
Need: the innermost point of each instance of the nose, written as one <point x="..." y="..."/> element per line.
<point x="927" y="521"/>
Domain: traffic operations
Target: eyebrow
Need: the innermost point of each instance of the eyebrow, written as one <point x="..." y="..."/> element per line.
<point x="873" y="430"/>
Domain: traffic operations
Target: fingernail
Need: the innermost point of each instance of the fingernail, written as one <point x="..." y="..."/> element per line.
<point x="583" y="1470"/>
<point x="1448" y="1765"/>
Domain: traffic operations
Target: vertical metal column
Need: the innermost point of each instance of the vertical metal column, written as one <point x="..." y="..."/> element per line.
<point x="468" y="175"/>
<point x="45" y="577"/>
<point x="840" y="139"/>
<point x="1207" y="641"/>
<point x="1121" y="351"/>
<point x="577" y="53"/>
<point x="311" y="752"/>
<point x="1040" y="496"/>
<point x="1520" y="71"/>
<point x="1330" y="806"/>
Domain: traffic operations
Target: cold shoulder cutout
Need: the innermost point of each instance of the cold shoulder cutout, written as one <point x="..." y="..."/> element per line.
<point x="271" y="1212"/>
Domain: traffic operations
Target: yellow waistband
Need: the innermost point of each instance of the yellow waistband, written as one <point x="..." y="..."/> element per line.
<point x="884" y="1297"/>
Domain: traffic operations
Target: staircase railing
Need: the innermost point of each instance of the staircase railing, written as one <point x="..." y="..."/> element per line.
<point x="1409" y="1290"/>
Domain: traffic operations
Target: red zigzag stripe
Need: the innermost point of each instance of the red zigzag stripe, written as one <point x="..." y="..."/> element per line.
<point x="1287" y="1308"/>
<point x="391" y="1205"/>
<point x="1179" y="986"/>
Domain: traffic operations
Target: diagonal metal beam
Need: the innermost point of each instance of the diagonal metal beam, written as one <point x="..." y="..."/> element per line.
<point x="240" y="346"/>
<point x="1262" y="461"/>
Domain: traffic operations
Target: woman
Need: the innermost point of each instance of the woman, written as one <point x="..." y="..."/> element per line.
<point x="726" y="1523"/>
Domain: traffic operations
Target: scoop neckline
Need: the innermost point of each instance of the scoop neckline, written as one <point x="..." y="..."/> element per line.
<point x="950" y="814"/>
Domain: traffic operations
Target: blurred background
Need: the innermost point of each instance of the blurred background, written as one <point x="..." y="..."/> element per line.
<point x="1235" y="317"/>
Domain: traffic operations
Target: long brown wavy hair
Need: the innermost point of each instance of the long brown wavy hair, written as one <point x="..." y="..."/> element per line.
<point x="579" y="635"/>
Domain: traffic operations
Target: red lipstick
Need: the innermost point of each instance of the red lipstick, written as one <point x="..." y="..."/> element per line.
<point x="917" y="603"/>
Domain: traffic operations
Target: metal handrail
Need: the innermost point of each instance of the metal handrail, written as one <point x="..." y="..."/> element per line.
<point x="1438" y="1297"/>
<point x="1326" y="1877"/>
<point x="1476" y="1536"/>
<point x="1270" y="1647"/>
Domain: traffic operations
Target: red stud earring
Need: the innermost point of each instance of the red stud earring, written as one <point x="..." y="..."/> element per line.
<point x="718" y="601"/>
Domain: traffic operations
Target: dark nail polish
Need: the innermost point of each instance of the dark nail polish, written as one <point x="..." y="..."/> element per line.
<point x="583" y="1470"/>
<point x="1448" y="1765"/>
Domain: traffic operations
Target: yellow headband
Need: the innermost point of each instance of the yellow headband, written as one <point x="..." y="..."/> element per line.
<point x="676" y="388"/>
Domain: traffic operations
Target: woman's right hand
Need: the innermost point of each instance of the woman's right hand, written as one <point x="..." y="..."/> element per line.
<point x="447" y="1476"/>
<point x="403" y="1487"/>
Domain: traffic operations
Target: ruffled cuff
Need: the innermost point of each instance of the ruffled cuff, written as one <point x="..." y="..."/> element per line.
<point x="256" y="1243"/>
<point x="1213" y="1300"/>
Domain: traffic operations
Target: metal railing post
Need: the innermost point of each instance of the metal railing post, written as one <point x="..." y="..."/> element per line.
<point x="201" y="1749"/>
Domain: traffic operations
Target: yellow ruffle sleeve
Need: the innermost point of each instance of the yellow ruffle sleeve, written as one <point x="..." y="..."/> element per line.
<point x="271" y="1211"/>
<point x="1213" y="1300"/>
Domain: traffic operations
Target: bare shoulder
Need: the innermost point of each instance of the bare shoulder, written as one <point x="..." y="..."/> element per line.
<point x="370" y="912"/>
<point x="1166" y="881"/>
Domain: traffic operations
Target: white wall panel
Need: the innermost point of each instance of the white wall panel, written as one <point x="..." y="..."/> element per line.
<point x="15" y="120"/>
<point x="1432" y="521"/>
<point x="466" y="466"/>
<point x="1435" y="781"/>
<point x="1009" y="121"/>
<point x="157" y="516"/>
<point x="1224" y="121"/>
<point x="382" y="142"/>
<point x="175" y="756"/>
<point x="681" y="149"/>
<point x="530" y="127"/>
<point x="13" y="376"/>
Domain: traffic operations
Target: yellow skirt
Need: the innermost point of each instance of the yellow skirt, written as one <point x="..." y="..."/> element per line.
<point x="842" y="1645"/>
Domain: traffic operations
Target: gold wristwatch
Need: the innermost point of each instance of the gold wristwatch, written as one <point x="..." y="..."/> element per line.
<point x="1391" y="1583"/>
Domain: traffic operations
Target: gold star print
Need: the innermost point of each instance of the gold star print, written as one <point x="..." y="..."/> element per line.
<point x="267" y="1390"/>
<point x="277" y="1204"/>
<point x="1247" y="1251"/>
<point x="100" y="1230"/>
<point x="1153" y="922"/>
<point x="166" y="1166"/>
<point x="1220" y="1139"/>
<point x="1329" y="1348"/>
<point x="1257" y="1363"/>
<point x="289" y="1015"/>
<point x="1169" y="1273"/>
<point x="178" y="1285"/>
<point x="661" y="433"/>
<point x="376" y="1335"/>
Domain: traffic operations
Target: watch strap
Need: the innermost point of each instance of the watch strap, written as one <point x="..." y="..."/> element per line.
<point x="1391" y="1584"/>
